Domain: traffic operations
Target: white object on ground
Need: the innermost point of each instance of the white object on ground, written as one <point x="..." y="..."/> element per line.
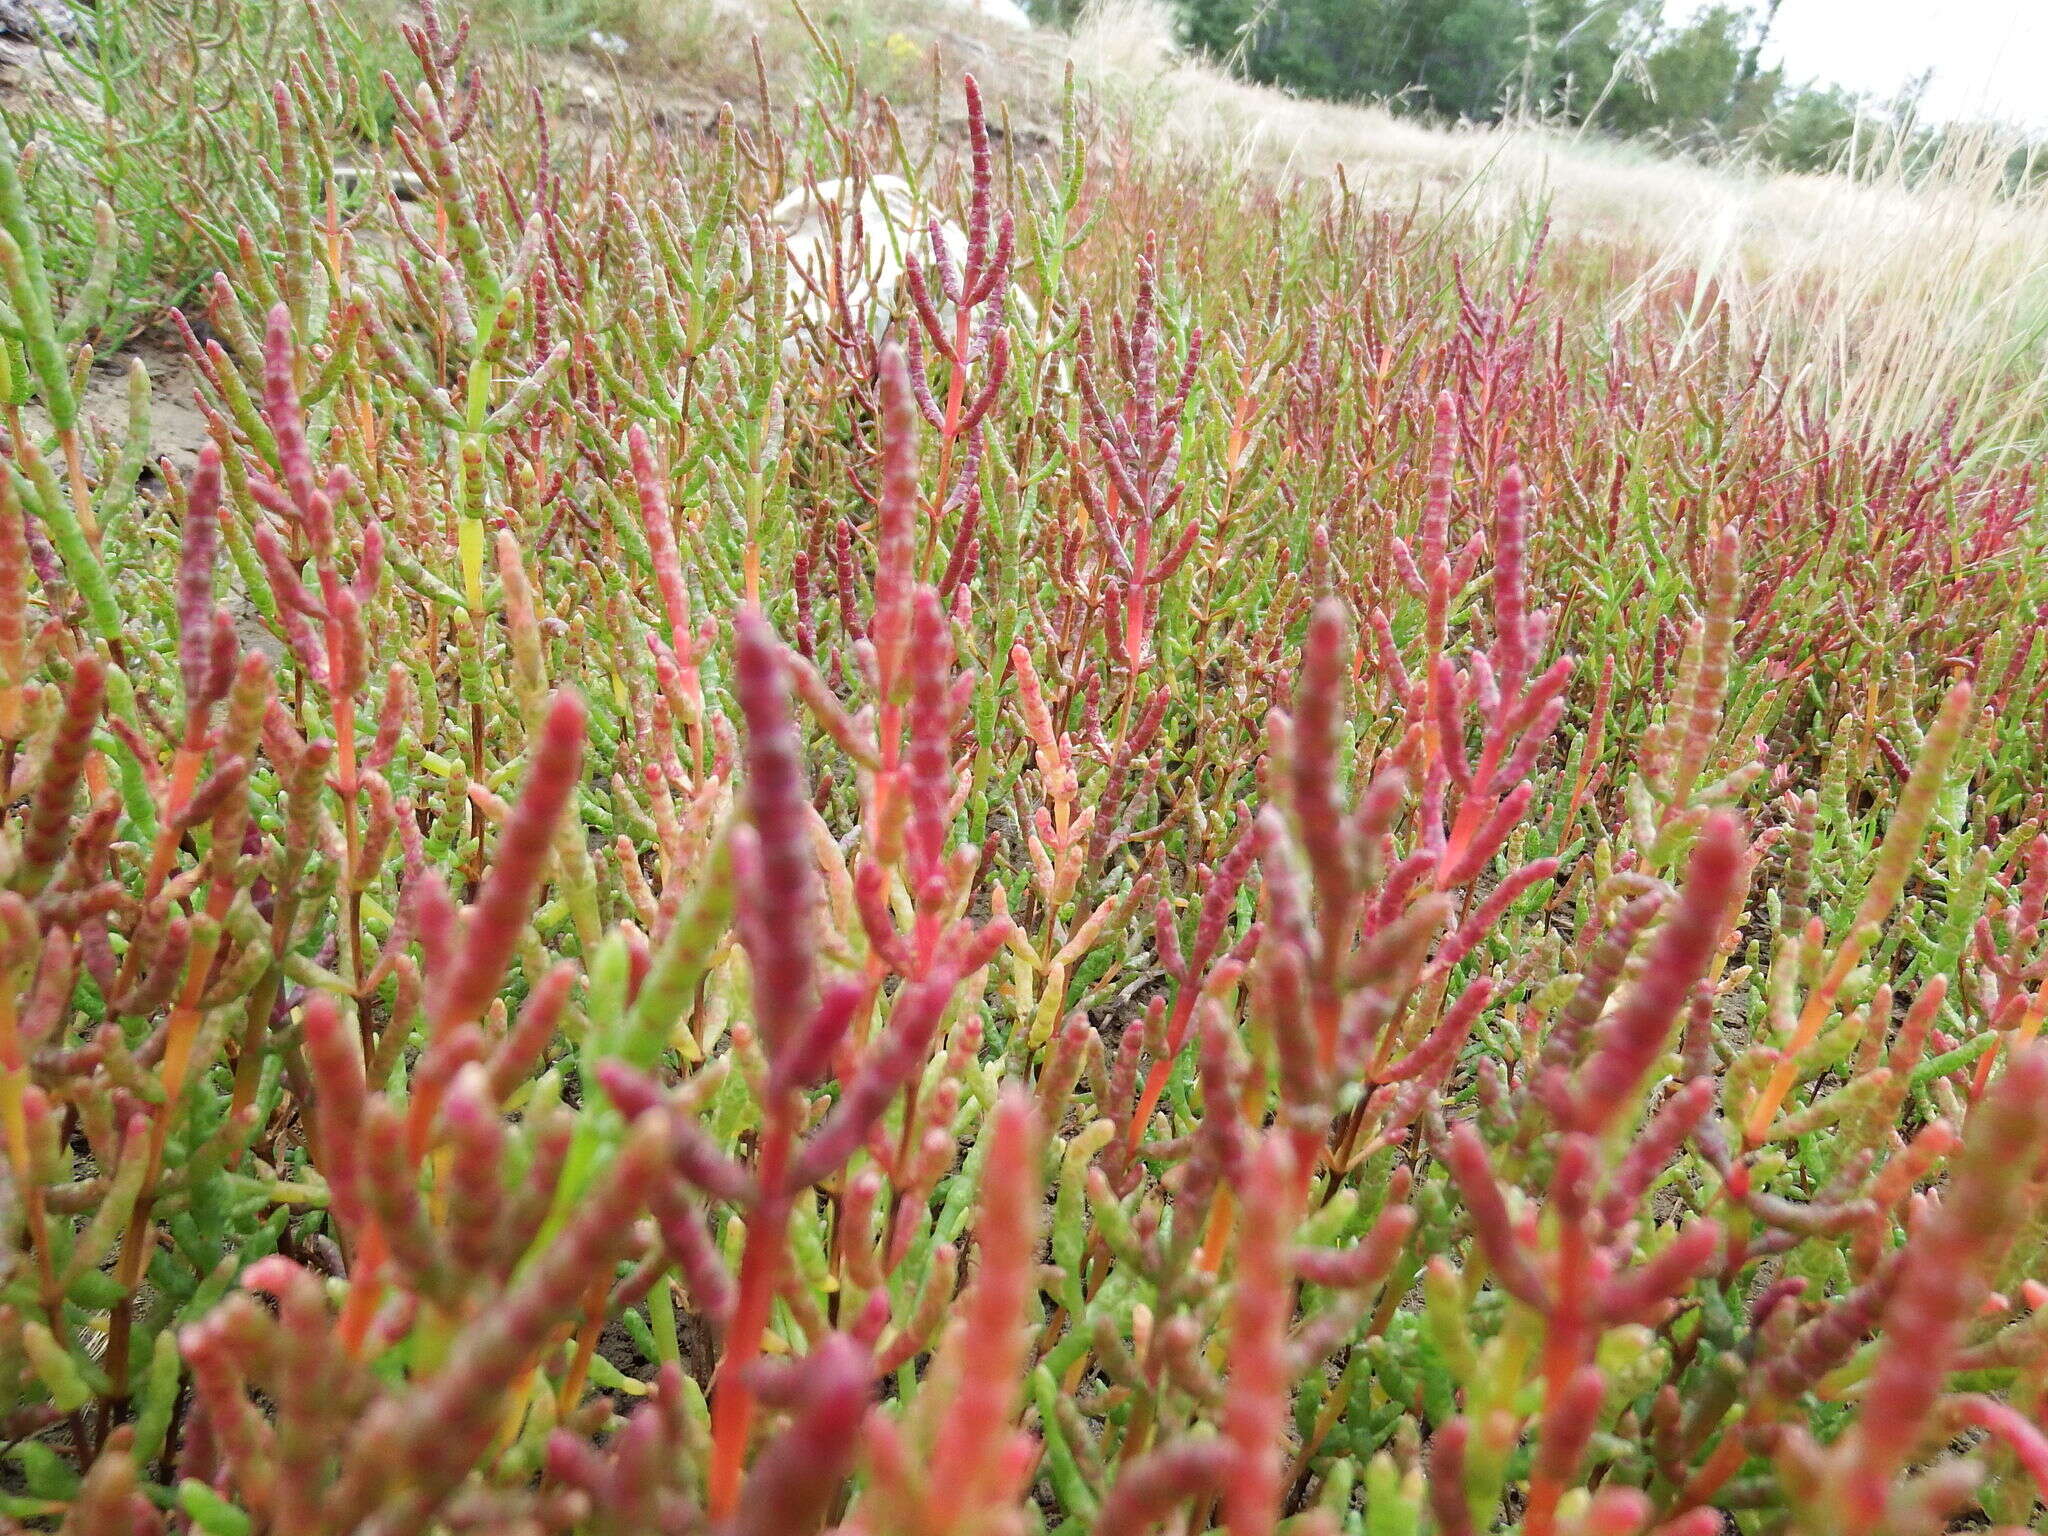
<point x="880" y="224"/>
<point x="1004" y="13"/>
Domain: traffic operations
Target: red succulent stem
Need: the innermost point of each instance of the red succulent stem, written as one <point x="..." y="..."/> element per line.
<point x="365" y="1287"/>
<point x="732" y="1397"/>
<point x="345" y="786"/>
<point x="1135" y="606"/>
<point x="185" y="765"/>
<point x="1563" y="1353"/>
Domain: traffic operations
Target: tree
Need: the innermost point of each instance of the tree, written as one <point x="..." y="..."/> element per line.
<point x="1581" y="51"/>
<point x="1689" y="87"/>
<point x="1450" y="58"/>
<point x="1616" y="65"/>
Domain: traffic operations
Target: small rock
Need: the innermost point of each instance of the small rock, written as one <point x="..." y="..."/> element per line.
<point x="877" y="222"/>
<point x="609" y="43"/>
<point x="44" y="21"/>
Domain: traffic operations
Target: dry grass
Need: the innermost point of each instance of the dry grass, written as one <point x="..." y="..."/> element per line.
<point x="1897" y="295"/>
<point x="1890" y="295"/>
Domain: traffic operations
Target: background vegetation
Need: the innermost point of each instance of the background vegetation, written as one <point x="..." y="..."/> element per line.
<point x="1622" y="68"/>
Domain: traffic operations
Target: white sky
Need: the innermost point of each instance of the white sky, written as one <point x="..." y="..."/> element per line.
<point x="1989" y="57"/>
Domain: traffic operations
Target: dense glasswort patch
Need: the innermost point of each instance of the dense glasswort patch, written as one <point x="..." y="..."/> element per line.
<point x="1250" y="871"/>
